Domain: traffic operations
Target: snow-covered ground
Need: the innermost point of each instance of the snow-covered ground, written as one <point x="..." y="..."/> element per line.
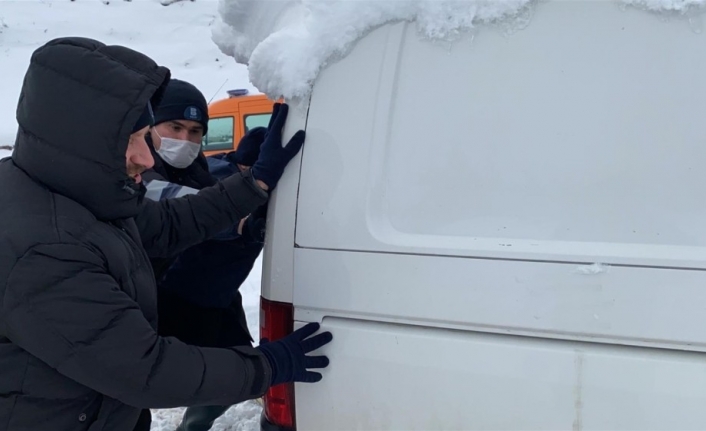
<point x="176" y="36"/>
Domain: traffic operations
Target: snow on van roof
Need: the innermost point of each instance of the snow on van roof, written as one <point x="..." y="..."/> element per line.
<point x="286" y="43"/>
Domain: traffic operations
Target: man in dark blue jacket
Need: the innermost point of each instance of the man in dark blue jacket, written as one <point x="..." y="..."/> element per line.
<point x="198" y="297"/>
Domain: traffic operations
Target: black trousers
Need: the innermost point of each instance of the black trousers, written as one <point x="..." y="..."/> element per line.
<point x="198" y="326"/>
<point x="144" y="422"/>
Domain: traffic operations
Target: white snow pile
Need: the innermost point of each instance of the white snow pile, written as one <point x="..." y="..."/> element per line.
<point x="286" y="43"/>
<point x="285" y="61"/>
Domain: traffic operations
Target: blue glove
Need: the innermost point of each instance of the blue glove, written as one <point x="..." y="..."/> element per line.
<point x="287" y="357"/>
<point x="273" y="157"/>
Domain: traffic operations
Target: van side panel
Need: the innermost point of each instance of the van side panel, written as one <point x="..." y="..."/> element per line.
<point x="623" y="305"/>
<point x="558" y="142"/>
<point x="396" y="377"/>
<point x="431" y="343"/>
<point x="507" y="232"/>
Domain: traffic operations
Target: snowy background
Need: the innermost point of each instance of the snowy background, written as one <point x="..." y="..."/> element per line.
<point x="177" y="36"/>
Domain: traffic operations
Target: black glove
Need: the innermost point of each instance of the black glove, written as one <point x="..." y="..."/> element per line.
<point x="254" y="226"/>
<point x="275" y="112"/>
<point x="273" y="157"/>
<point x="254" y="230"/>
<point x="287" y="357"/>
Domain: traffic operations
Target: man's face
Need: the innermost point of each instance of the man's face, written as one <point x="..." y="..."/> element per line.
<point x="138" y="156"/>
<point x="186" y="130"/>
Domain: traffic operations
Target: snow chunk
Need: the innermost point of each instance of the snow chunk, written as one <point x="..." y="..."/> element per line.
<point x="596" y="268"/>
<point x="286" y="43"/>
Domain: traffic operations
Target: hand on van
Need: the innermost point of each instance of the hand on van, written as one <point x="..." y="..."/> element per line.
<point x="273" y="156"/>
<point x="287" y="357"/>
<point x="253" y="231"/>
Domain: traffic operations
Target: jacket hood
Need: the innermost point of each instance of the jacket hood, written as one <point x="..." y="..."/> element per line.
<point x="79" y="102"/>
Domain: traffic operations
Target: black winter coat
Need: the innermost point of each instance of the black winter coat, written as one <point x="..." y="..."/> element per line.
<point x="78" y="342"/>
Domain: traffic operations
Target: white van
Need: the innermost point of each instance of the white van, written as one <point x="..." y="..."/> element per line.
<point x="506" y="232"/>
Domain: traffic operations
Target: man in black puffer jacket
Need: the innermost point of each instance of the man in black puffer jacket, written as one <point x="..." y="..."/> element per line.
<point x="78" y="344"/>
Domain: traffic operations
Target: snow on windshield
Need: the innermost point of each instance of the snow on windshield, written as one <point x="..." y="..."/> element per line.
<point x="286" y="43"/>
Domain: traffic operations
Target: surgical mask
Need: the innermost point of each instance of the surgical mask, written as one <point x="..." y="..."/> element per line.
<point x="178" y="153"/>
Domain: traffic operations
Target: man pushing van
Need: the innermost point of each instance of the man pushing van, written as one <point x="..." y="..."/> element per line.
<point x="78" y="342"/>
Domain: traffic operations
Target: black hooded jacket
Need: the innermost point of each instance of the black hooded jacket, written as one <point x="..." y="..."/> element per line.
<point x="78" y="342"/>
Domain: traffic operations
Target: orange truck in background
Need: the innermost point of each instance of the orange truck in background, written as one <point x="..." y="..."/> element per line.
<point x="231" y="118"/>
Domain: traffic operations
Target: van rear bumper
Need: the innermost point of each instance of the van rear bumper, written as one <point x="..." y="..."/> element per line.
<point x="266" y="425"/>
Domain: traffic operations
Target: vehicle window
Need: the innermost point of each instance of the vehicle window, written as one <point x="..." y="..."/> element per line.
<point x="256" y="120"/>
<point x="220" y="134"/>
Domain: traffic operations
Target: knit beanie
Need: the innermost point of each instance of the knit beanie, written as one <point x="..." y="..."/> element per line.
<point x="182" y="101"/>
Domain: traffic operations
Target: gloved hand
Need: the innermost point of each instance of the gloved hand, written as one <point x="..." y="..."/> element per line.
<point x="273" y="157"/>
<point x="254" y="230"/>
<point x="287" y="356"/>
<point x="254" y="226"/>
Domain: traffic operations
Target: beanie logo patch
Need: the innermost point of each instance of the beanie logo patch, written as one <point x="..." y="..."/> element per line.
<point x="192" y="113"/>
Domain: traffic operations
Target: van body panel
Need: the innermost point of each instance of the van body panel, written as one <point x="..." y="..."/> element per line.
<point x="620" y="305"/>
<point x="396" y="377"/>
<point x="278" y="253"/>
<point x="504" y="232"/>
<point x="475" y="176"/>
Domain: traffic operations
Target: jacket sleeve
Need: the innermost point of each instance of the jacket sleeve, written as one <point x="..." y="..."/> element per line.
<point x="170" y="226"/>
<point x="73" y="316"/>
<point x="159" y="190"/>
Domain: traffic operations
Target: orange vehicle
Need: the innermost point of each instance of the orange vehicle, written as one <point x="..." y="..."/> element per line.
<point x="231" y="118"/>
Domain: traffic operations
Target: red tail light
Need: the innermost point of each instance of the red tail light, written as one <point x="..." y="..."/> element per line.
<point x="277" y="321"/>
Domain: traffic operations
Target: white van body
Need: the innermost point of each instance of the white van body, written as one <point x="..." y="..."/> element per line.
<point x="504" y="232"/>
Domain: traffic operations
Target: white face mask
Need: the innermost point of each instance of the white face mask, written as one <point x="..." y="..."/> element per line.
<point x="178" y="153"/>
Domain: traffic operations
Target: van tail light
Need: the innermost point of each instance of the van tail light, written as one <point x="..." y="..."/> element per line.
<point x="277" y="321"/>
